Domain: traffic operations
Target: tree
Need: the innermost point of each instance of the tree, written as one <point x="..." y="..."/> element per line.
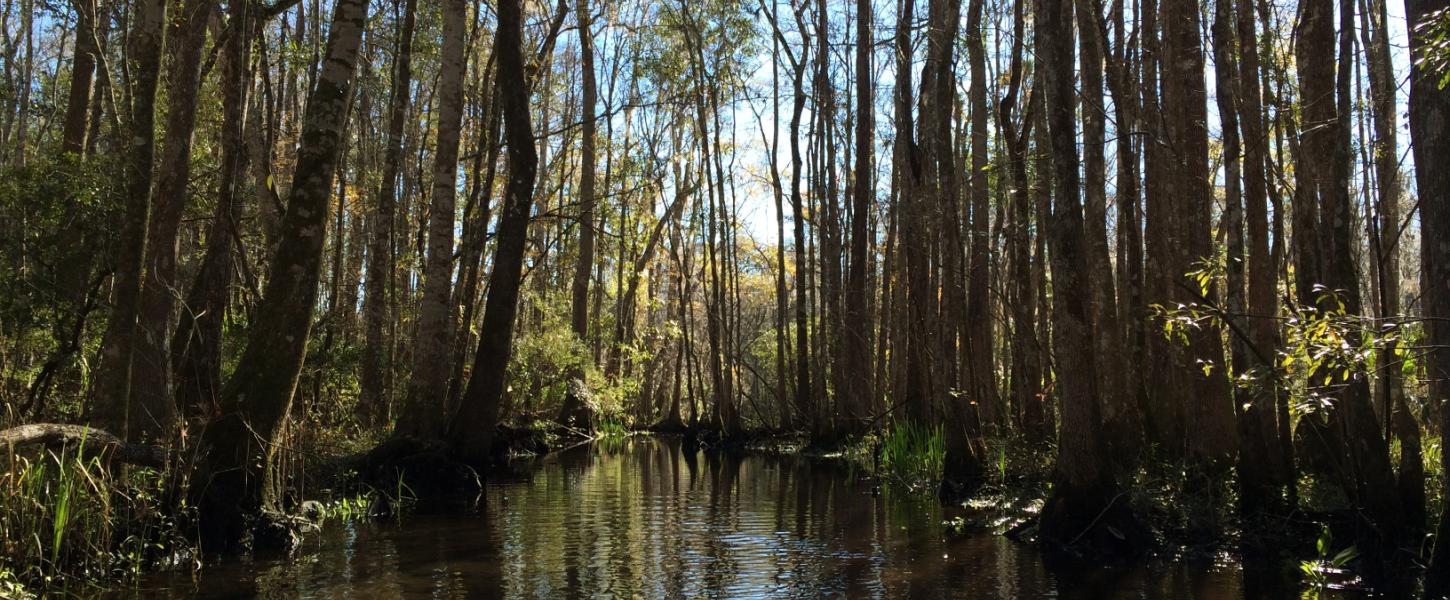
<point x="1343" y="443"/>
<point x="1085" y="498"/>
<point x="112" y="407"/>
<point x="151" y="364"/>
<point x="471" y="434"/>
<point x="575" y="412"/>
<point x="377" y="299"/>
<point x="82" y="79"/>
<point x="238" y="444"/>
<point x="424" y="413"/>
<point x="1430" y="138"/>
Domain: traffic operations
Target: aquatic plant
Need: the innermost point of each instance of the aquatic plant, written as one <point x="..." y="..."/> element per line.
<point x="913" y="452"/>
<point x="68" y="518"/>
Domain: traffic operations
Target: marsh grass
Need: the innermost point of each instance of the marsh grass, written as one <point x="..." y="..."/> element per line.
<point x="69" y="521"/>
<point x="913" y="453"/>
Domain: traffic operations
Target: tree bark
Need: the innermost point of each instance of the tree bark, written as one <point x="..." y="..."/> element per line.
<point x="151" y="365"/>
<point x="576" y="412"/>
<point x="196" y="345"/>
<point x="378" y="298"/>
<point x="237" y="446"/>
<point x="113" y="408"/>
<point x="1086" y="504"/>
<point x="472" y="431"/>
<point x="423" y="415"/>
<point x="1430" y="142"/>
<point x="82" y="78"/>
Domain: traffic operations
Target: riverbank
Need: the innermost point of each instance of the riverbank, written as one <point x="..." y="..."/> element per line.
<point x="96" y="524"/>
<point x="646" y="516"/>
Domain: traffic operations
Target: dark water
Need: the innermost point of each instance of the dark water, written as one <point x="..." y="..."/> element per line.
<point x="644" y="518"/>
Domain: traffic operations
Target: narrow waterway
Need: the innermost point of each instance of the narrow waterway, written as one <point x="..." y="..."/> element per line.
<point x="646" y="518"/>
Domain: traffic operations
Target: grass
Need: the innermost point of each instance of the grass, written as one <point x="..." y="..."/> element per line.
<point x="607" y="425"/>
<point x="68" y="521"/>
<point x="913" y="453"/>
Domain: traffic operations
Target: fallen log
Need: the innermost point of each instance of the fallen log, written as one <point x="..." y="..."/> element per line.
<point x="91" y="441"/>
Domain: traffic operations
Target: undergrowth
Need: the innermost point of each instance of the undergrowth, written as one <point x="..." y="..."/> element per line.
<point x="68" y="520"/>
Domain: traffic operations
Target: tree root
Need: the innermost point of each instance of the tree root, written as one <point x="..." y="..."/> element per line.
<point x="89" y="440"/>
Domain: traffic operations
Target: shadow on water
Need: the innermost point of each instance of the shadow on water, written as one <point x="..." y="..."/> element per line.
<point x="652" y="518"/>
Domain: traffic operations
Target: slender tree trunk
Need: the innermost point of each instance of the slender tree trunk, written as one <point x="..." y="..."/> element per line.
<point x="1430" y="142"/>
<point x="151" y="366"/>
<point x="1120" y="412"/>
<point x="472" y="430"/>
<point x="378" y="296"/>
<point x="803" y="394"/>
<point x="238" y="446"/>
<point x="1261" y="482"/>
<point x="1086" y="504"/>
<point x="1345" y="441"/>
<point x="963" y="462"/>
<point x="82" y="78"/>
<point x="1026" y="370"/>
<point x="428" y="388"/>
<point x="113" y="409"/>
<point x="576" y="412"/>
<point x="857" y="330"/>
<point x="1385" y="244"/>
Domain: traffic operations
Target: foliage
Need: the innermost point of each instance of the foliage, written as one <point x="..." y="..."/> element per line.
<point x="1435" y="55"/>
<point x="47" y="262"/>
<point x="1321" y="572"/>
<point x="68" y="520"/>
<point x="913" y="453"/>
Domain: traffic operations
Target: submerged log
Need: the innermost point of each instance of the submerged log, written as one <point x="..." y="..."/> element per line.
<point x="89" y="440"/>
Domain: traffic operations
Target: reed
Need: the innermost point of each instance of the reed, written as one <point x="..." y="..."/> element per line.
<point x="913" y="452"/>
<point x="68" y="521"/>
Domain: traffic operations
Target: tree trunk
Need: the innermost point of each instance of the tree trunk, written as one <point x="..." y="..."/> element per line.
<point x="151" y="365"/>
<point x="857" y="330"/>
<point x="472" y="431"/>
<point x="238" y="445"/>
<point x="424" y="413"/>
<point x="1120" y="414"/>
<point x="82" y="76"/>
<point x="1385" y="244"/>
<point x="965" y="451"/>
<point x="113" y="409"/>
<point x="374" y="400"/>
<point x="1086" y="505"/>
<point x="1430" y="142"/>
<point x="576" y="412"/>
<point x="196" y="346"/>
<point x="1348" y="448"/>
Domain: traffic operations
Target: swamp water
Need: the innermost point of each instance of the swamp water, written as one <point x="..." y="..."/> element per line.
<point x="646" y="518"/>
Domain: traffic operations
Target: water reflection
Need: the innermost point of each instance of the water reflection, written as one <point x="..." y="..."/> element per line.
<point x="650" y="518"/>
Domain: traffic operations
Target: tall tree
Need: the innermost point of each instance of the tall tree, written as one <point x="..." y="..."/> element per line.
<point x="424" y="412"/>
<point x="575" y="412"/>
<point x="1085" y="499"/>
<point x="1343" y="443"/>
<point x="1430" y="141"/>
<point x="471" y="434"/>
<point x="1385" y="234"/>
<point x="238" y="445"/>
<point x="112" y="383"/>
<point x="964" y="454"/>
<point x="856" y="335"/>
<point x="377" y="299"/>
<point x="82" y="79"/>
<point x="151" y="365"/>
<point x="196" y="345"/>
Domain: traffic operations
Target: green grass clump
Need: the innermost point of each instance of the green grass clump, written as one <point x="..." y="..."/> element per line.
<point x="913" y="453"/>
<point x="609" y="425"/>
<point x="68" y="520"/>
